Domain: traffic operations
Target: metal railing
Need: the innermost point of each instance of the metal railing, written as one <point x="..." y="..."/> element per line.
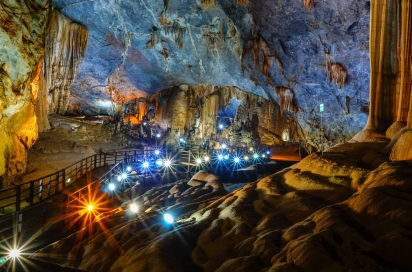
<point x="29" y="193"/>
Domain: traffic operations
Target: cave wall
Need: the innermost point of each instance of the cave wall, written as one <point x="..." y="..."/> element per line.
<point x="319" y="52"/>
<point x="39" y="54"/>
<point x="22" y="25"/>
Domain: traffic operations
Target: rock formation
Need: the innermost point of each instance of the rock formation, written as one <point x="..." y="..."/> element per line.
<point x="197" y="111"/>
<point x="22" y="26"/>
<point x="28" y="71"/>
<point x="65" y="44"/>
<point x="340" y="212"/>
<point x="390" y="84"/>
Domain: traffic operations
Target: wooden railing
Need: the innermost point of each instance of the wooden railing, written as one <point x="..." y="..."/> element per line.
<point x="29" y="193"/>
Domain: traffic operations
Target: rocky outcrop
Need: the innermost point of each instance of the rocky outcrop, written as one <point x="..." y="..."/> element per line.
<point x="28" y="72"/>
<point x="22" y="25"/>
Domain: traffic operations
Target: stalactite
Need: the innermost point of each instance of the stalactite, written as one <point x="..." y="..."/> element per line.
<point x="336" y="72"/>
<point x="153" y="38"/>
<point x="260" y="51"/>
<point x="41" y="107"/>
<point x="166" y="4"/>
<point x="177" y="32"/>
<point x="208" y="3"/>
<point x="65" y="44"/>
<point x="285" y="99"/>
<point x="245" y="3"/>
<point x="309" y="4"/>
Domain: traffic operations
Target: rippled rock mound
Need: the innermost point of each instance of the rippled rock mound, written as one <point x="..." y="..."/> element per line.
<point x="339" y="212"/>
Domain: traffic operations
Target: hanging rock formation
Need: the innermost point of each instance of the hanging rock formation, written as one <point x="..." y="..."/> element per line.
<point x="65" y="44"/>
<point x="197" y="110"/>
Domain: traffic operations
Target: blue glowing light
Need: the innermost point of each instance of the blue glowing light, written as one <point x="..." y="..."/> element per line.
<point x="145" y="164"/>
<point x="168" y="218"/>
<point x="112" y="187"/>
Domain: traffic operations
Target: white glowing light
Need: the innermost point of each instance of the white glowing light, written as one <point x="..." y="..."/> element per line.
<point x="263" y="156"/>
<point x="224" y="146"/>
<point x="207" y="158"/>
<point x="246" y="158"/>
<point x="226" y="157"/>
<point x="168" y="218"/>
<point x="158" y="135"/>
<point x="251" y="149"/>
<point x="124" y="176"/>
<point x="134" y="208"/>
<point x="182" y="140"/>
<point x="255" y="156"/>
<point x="159" y="162"/>
<point x="104" y="103"/>
<point x="145" y="164"/>
<point x="112" y="187"/>
<point x="68" y="180"/>
<point x="221" y="126"/>
<point x="237" y="160"/>
<point x="198" y="161"/>
<point x="129" y="169"/>
<point x="220" y="157"/>
<point x="268" y="152"/>
<point x="90" y="207"/>
<point x="168" y="163"/>
<point x="157" y="151"/>
<point x="144" y="123"/>
<point x="119" y="178"/>
<point x="14" y="253"/>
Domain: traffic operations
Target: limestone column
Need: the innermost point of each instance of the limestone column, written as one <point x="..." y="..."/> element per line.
<point x="383" y="59"/>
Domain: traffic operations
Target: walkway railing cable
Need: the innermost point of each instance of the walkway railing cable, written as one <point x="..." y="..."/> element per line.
<point x="29" y="193"/>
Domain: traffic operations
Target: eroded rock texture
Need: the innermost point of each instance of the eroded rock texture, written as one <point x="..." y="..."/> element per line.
<point x="29" y="72"/>
<point x="22" y="25"/>
<point x="65" y="44"/>
<point x="143" y="47"/>
<point x="340" y="212"/>
<point x="198" y="111"/>
<point x="390" y="84"/>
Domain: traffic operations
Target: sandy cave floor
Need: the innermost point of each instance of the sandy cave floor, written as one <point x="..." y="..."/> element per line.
<point x="62" y="147"/>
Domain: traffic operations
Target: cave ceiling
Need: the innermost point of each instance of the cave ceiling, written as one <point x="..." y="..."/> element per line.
<point x="142" y="47"/>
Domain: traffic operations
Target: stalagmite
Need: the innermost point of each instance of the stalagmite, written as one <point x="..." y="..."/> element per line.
<point x="65" y="44"/>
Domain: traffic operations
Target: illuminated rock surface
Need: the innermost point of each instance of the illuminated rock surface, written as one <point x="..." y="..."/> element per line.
<point x="335" y="212"/>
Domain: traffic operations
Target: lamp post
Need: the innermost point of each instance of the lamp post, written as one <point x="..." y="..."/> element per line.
<point x="321" y="108"/>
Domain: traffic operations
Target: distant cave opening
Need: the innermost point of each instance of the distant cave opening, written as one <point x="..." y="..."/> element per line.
<point x="227" y="114"/>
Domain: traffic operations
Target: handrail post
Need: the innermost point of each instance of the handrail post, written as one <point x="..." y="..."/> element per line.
<point x="18" y="197"/>
<point x="64" y="178"/>
<point x="115" y="157"/>
<point x="31" y="200"/>
<point x="104" y="158"/>
<point x="95" y="161"/>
